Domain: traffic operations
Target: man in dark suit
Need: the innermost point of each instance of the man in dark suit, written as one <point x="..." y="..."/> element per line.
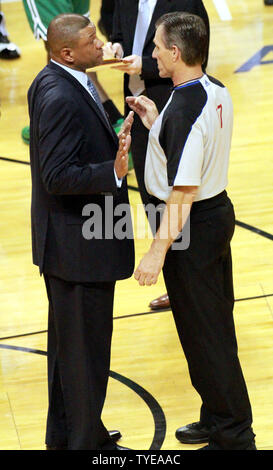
<point x="132" y="38"/>
<point x="77" y="164"/>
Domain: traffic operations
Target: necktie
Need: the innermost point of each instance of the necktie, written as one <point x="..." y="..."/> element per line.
<point x="95" y="96"/>
<point x="136" y="85"/>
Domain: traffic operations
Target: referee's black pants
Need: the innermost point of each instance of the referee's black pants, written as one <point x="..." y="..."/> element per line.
<point x="200" y="287"/>
<point x="80" y="325"/>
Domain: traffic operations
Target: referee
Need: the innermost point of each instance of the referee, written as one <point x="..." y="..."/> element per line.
<point x="186" y="168"/>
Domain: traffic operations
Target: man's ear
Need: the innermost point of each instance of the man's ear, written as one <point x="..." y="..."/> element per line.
<point x="67" y="55"/>
<point x="176" y="54"/>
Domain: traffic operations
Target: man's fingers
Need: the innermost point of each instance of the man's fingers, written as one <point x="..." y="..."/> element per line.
<point x="128" y="141"/>
<point x="133" y="106"/>
<point x="145" y="278"/>
<point x="142" y="102"/>
<point x="124" y="66"/>
<point x="130" y="117"/>
<point x="128" y="122"/>
<point x="121" y="141"/>
<point x="136" y="105"/>
<point x="124" y="143"/>
<point x="122" y="159"/>
<point x="130" y="99"/>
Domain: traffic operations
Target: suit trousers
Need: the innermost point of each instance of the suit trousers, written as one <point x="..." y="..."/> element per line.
<point x="199" y="282"/>
<point x="80" y="325"/>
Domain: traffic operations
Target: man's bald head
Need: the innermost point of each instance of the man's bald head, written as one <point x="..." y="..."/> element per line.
<point x="72" y="41"/>
<point x="63" y="31"/>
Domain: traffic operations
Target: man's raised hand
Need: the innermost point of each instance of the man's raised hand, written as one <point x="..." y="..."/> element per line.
<point x="121" y="162"/>
<point x="145" y="108"/>
<point x="127" y="124"/>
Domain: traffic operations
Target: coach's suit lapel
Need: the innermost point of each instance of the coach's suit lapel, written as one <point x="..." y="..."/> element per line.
<point x="87" y="97"/>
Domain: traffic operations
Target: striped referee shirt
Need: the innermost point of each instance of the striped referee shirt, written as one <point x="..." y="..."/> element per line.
<point x="189" y="143"/>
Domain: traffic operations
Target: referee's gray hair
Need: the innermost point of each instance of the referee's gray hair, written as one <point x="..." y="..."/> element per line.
<point x="188" y="32"/>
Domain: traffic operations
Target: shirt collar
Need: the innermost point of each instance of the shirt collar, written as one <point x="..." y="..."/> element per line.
<point x="80" y="76"/>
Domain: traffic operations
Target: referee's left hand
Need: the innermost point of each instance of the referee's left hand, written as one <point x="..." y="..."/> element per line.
<point x="149" y="268"/>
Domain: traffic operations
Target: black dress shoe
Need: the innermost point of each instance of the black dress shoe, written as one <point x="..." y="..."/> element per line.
<point x="121" y="448"/>
<point x="194" y="433"/>
<point x="115" y="435"/>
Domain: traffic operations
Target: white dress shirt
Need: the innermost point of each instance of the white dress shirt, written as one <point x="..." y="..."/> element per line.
<point x="145" y="13"/>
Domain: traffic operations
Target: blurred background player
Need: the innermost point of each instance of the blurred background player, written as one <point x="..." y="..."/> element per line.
<point x="8" y="50"/>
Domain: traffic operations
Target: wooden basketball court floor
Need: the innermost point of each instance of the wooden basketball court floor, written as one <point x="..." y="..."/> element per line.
<point x="149" y="393"/>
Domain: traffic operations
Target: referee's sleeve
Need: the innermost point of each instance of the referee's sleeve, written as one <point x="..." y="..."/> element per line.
<point x="182" y="141"/>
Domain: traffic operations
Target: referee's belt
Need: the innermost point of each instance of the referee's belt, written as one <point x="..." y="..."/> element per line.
<point x="209" y="203"/>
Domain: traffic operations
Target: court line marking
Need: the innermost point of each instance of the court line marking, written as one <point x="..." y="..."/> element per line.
<point x="13" y="420"/>
<point x="222" y="10"/>
<point x="254" y="229"/>
<point x="150" y="312"/>
<point x="13" y="160"/>
<point x="160" y="425"/>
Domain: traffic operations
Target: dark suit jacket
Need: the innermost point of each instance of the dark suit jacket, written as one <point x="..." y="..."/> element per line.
<point x="124" y="24"/>
<point x="105" y="22"/>
<point x="72" y="152"/>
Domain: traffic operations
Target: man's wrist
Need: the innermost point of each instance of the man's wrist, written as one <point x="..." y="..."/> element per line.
<point x="159" y="247"/>
<point x="118" y="180"/>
